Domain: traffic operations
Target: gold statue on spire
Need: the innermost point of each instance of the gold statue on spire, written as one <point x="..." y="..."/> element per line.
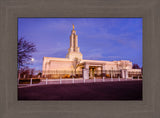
<point x="73" y="26"/>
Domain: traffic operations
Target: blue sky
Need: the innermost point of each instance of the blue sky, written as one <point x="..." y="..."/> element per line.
<point x="98" y="38"/>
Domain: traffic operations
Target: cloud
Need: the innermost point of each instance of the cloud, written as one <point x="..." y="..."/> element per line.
<point x="94" y="56"/>
<point x="98" y="38"/>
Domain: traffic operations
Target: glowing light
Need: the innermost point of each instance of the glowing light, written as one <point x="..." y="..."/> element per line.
<point x="32" y="59"/>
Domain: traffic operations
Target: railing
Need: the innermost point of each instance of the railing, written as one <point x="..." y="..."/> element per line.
<point x="134" y="74"/>
<point x="55" y="74"/>
<point x="47" y="81"/>
<point x="108" y="73"/>
<point x="64" y="77"/>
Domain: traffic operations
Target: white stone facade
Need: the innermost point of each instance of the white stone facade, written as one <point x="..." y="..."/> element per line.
<point x="66" y="64"/>
<point x="74" y="51"/>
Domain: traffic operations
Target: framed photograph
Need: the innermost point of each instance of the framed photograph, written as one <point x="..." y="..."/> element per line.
<point x="77" y="64"/>
<point x="80" y="58"/>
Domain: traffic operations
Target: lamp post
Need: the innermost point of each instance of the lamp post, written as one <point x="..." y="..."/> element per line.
<point x="73" y="80"/>
<point x="45" y="70"/>
<point x="46" y="81"/>
<point x="94" y="79"/>
<point x="111" y="74"/>
<point x="60" y="80"/>
<point x="31" y="81"/>
<point x="119" y="78"/>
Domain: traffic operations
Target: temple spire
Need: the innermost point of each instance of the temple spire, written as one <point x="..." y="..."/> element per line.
<point x="73" y="51"/>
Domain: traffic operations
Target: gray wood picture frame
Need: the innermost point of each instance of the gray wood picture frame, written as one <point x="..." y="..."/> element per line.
<point x="10" y="107"/>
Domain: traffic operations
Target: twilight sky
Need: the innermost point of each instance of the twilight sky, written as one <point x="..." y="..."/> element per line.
<point x="98" y="38"/>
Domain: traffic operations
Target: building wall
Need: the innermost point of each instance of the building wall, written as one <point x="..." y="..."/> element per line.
<point x="64" y="66"/>
<point x="67" y="64"/>
<point x="61" y="65"/>
<point x="51" y="65"/>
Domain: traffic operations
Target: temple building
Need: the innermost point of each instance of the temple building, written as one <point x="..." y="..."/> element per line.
<point x="75" y="64"/>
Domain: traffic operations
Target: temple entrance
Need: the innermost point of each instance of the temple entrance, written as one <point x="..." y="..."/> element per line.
<point x="92" y="69"/>
<point x="95" y="71"/>
<point x="92" y="72"/>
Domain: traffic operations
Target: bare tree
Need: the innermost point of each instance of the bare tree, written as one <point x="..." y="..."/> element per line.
<point x="24" y="72"/>
<point x="75" y="64"/>
<point x="123" y="64"/>
<point x="24" y="51"/>
<point x="32" y="72"/>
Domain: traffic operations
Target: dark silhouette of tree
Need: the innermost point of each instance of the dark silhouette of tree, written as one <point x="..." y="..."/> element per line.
<point x="39" y="74"/>
<point x="136" y="66"/>
<point x="142" y="69"/>
<point x="32" y="71"/>
<point x="24" y="51"/>
<point x="26" y="72"/>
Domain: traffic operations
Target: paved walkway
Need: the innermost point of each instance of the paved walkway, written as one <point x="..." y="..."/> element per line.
<point x="123" y="90"/>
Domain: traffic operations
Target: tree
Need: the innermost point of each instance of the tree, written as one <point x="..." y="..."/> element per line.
<point x="24" y="51"/>
<point x="123" y="64"/>
<point x="32" y="71"/>
<point x="75" y="64"/>
<point x="142" y="69"/>
<point x="135" y="66"/>
<point x="26" y="72"/>
<point x="39" y="74"/>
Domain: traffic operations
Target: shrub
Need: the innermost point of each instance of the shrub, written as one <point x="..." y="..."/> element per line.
<point x="108" y="75"/>
<point x="66" y="76"/>
<point x="27" y="81"/>
<point x="137" y="77"/>
<point x="78" y="76"/>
